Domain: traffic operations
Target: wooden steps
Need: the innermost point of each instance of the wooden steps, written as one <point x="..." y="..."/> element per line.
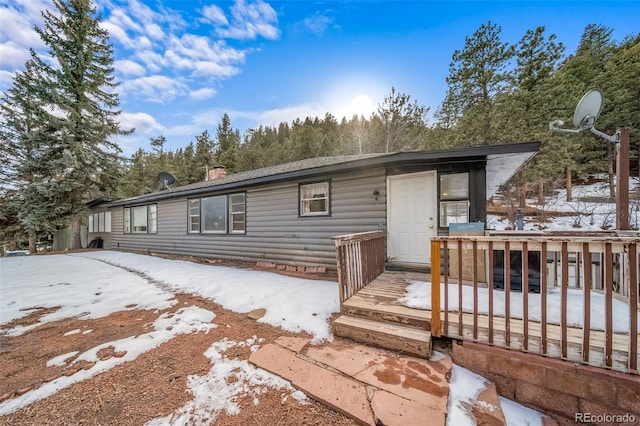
<point x="361" y="307"/>
<point x="398" y="337"/>
<point x="374" y="316"/>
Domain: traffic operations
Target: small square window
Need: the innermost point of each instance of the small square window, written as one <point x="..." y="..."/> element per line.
<point x="453" y="212"/>
<point x="454" y="186"/>
<point x="314" y="199"/>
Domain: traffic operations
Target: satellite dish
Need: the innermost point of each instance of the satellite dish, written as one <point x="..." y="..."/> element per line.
<point x="166" y="179"/>
<point x="585" y="116"/>
<point x="588" y="110"/>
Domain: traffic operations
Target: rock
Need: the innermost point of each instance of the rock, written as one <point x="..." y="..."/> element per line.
<point x="256" y="314"/>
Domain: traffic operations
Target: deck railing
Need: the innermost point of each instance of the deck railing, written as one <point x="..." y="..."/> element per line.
<point x="573" y="298"/>
<point x="360" y="259"/>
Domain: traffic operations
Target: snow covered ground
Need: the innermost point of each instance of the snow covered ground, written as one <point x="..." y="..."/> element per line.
<point x="585" y="214"/>
<point x="96" y="284"/>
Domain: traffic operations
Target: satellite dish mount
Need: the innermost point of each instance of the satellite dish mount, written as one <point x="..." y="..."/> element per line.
<point x="587" y="112"/>
<point x="585" y="116"/>
<point x="166" y="179"/>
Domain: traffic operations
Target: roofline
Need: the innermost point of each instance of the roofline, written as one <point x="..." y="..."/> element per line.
<point x="470" y="153"/>
<point x="99" y="201"/>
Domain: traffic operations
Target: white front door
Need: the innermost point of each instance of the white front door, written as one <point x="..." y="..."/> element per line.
<point x="411" y="217"/>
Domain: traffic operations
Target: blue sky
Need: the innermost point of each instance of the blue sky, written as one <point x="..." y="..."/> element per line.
<point x="182" y="64"/>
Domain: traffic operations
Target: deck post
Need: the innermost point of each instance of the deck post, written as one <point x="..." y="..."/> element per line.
<point x="435" y="288"/>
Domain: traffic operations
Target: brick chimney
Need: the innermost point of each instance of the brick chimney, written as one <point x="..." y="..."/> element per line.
<point x="216" y="172"/>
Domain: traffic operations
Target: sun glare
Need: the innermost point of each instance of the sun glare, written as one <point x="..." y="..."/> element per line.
<point x="361" y="105"/>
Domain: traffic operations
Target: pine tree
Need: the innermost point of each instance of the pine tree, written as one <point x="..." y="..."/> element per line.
<point x="76" y="104"/>
<point x="203" y="157"/>
<point x="401" y="123"/>
<point x="478" y="75"/>
<point x="228" y="144"/>
<point x="579" y="73"/>
<point x="26" y="136"/>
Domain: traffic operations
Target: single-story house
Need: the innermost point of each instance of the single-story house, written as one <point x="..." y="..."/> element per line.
<point x="288" y="213"/>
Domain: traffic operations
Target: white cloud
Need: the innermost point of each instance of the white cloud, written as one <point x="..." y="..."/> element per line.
<point x="154" y="31"/>
<point x="6" y="78"/>
<point x="251" y="20"/>
<point x="122" y="18"/>
<point x="155" y="88"/>
<point x="117" y="33"/>
<point x="13" y="55"/>
<point x="317" y="24"/>
<point x="128" y="67"/>
<point x="150" y="59"/>
<point x="201" y="94"/>
<point x="143" y="123"/>
<point x="214" y="14"/>
<point x="213" y="69"/>
<point x="18" y="26"/>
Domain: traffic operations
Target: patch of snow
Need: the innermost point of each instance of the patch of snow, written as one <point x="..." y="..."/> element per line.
<point x="184" y="321"/>
<point x="487" y="406"/>
<point x="72" y="332"/>
<point x="74" y="284"/>
<point x="586" y="214"/>
<point x="418" y="295"/>
<point x="61" y="360"/>
<point x="464" y="388"/>
<point x="518" y="415"/>
<point x="87" y="331"/>
<point x="223" y="386"/>
<point x="295" y="304"/>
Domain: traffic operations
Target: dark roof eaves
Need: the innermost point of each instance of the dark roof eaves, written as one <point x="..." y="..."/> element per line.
<point x="381" y="160"/>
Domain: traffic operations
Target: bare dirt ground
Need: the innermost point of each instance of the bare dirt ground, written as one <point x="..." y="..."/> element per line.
<point x="153" y="385"/>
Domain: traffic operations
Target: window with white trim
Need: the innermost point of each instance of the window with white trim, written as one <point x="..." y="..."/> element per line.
<point x="99" y="222"/>
<point x="220" y="214"/>
<point x="141" y="219"/>
<point x="237" y="217"/>
<point x="314" y="199"/>
<point x="194" y="216"/>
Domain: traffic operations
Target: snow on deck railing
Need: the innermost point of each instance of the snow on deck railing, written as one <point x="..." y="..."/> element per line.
<point x="584" y="302"/>
<point x="360" y="259"/>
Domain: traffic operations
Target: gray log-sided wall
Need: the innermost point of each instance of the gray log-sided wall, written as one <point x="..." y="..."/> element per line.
<point x="274" y="230"/>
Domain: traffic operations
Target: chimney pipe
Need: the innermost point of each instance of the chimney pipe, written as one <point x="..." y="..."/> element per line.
<point x="216" y="172"/>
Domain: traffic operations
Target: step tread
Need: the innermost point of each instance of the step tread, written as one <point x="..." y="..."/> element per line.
<point x="361" y="303"/>
<point x="391" y="329"/>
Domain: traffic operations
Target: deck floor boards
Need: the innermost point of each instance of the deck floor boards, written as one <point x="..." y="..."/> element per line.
<point x="383" y="293"/>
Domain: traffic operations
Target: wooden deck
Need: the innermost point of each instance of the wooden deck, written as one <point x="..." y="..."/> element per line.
<point x="378" y="301"/>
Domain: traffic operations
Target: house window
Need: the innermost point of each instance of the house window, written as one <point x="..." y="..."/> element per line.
<point x="141" y="219"/>
<point x="237" y="213"/>
<point x="221" y="214"/>
<point x="127" y="220"/>
<point x="194" y="216"/>
<point x="214" y="214"/>
<point x="99" y="222"/>
<point x="454" y="198"/>
<point x="314" y="199"/>
<point x="153" y="219"/>
<point x="453" y="212"/>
